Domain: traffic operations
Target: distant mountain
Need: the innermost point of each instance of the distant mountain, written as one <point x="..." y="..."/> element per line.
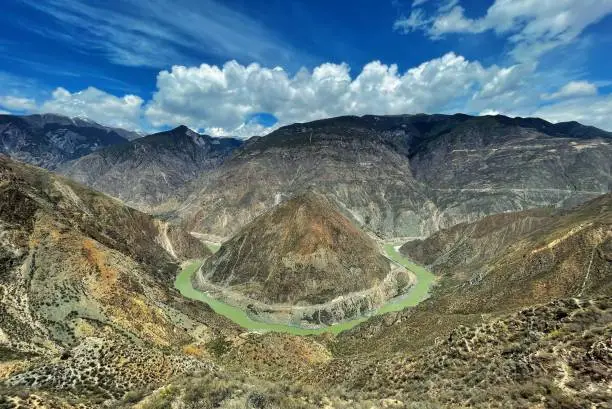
<point x="407" y="175"/>
<point x="49" y="140"/>
<point x="150" y="170"/>
<point x="302" y="261"/>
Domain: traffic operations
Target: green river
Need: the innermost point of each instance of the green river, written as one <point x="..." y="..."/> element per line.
<point x="415" y="295"/>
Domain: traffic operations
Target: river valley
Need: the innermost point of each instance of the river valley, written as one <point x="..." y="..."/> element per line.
<point x="417" y="293"/>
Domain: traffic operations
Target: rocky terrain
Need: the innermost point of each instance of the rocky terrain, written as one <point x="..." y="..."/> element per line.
<point x="465" y="346"/>
<point x="519" y="315"/>
<point x="406" y="176"/>
<point x="303" y="261"/>
<point x="150" y="170"/>
<point x="49" y="140"/>
<point x="85" y="290"/>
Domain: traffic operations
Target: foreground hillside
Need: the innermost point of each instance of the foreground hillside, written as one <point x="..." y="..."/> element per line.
<point x="85" y="284"/>
<point x="406" y="175"/>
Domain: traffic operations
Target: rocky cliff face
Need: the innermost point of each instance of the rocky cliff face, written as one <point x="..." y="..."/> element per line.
<point x="407" y="175"/>
<point x="150" y="170"/>
<point x="50" y="140"/>
<point x="302" y="261"/>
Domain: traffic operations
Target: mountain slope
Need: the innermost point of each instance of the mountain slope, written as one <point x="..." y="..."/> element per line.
<point x="307" y="258"/>
<point x="407" y="175"/>
<point x="85" y="276"/>
<point x="566" y="254"/>
<point x="555" y="355"/>
<point x="49" y="140"/>
<point x="150" y="170"/>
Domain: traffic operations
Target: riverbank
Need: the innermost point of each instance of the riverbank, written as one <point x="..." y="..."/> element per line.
<point x="417" y="293"/>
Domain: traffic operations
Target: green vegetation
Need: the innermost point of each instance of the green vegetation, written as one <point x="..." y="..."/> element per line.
<point x="416" y="294"/>
<point x="214" y="247"/>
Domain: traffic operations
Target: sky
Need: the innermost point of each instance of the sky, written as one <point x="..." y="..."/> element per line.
<point x="246" y="67"/>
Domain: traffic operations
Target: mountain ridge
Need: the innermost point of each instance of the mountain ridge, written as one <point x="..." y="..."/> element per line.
<point x="148" y="171"/>
<point x="406" y="175"/>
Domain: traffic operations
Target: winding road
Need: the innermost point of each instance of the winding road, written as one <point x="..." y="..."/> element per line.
<point x="416" y="294"/>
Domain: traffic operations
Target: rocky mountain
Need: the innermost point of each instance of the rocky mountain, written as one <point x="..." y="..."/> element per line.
<point x="406" y="175"/>
<point x="49" y="140"/>
<point x="150" y="170"/>
<point x="302" y="261"/>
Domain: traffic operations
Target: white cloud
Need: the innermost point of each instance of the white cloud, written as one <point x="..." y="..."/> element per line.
<point x="532" y="26"/>
<point x="573" y="89"/>
<point x="416" y="21"/>
<point x="489" y="112"/>
<point x="417" y="3"/>
<point x="158" y="33"/>
<point x="19" y="104"/>
<point x="122" y="112"/>
<point x="229" y="99"/>
<point x="208" y="96"/>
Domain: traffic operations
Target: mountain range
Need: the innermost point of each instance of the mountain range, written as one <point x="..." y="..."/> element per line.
<point x="49" y="140"/>
<point x="512" y="216"/>
<point x="406" y="176"/>
<point x="148" y="171"/>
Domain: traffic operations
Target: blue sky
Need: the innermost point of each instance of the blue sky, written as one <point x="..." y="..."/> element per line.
<point x="246" y="67"/>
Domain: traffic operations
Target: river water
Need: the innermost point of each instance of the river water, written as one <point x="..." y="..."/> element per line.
<point x="416" y="294"/>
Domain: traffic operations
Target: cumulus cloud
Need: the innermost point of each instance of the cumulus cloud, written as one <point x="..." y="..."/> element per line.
<point x="122" y="112"/>
<point x="221" y="98"/>
<point x="18" y="104"/>
<point x="243" y="101"/>
<point x="573" y="89"/>
<point x="532" y="26"/>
